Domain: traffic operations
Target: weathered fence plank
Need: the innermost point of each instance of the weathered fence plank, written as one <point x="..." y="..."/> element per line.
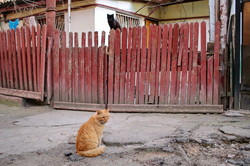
<point x="133" y="66"/>
<point x="123" y="66"/>
<point x="81" y="69"/>
<point x="29" y="62"/>
<point x="170" y="40"/>
<point x="24" y="63"/>
<point x="94" y="69"/>
<point x="67" y="75"/>
<point x="194" y="77"/>
<point x="10" y="65"/>
<point x="210" y="66"/>
<point x="179" y="64"/>
<point x="190" y="66"/>
<point x="56" y="66"/>
<point x="38" y="53"/>
<point x="158" y="63"/>
<point x="143" y="67"/>
<point x="216" y="63"/>
<point x="127" y="98"/>
<point x="2" y="77"/>
<point x="14" y="59"/>
<point x="149" y="48"/>
<point x="111" y="68"/>
<point x="174" y="64"/>
<point x="6" y="59"/>
<point x="43" y="66"/>
<point x="183" y="94"/>
<point x="101" y="56"/>
<point x="19" y="61"/>
<point x="62" y="62"/>
<point x="34" y="56"/>
<point x="87" y="64"/>
<point x="71" y="83"/>
<point x="43" y="59"/>
<point x="75" y="69"/>
<point x="163" y="94"/>
<point x="138" y="63"/>
<point x="117" y="67"/>
<point x="203" y="91"/>
<point x="152" y="74"/>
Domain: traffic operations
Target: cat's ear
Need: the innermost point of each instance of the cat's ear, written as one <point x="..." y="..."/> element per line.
<point x="107" y="110"/>
<point x="98" y="112"/>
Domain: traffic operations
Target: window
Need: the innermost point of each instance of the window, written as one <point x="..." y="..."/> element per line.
<point x="59" y="21"/>
<point x="127" y="21"/>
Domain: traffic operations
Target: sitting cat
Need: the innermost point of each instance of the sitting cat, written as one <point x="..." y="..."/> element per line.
<point x="113" y="24"/>
<point x="88" y="140"/>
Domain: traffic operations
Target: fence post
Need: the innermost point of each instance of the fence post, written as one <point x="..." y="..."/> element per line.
<point x="50" y="21"/>
<point x="50" y="16"/>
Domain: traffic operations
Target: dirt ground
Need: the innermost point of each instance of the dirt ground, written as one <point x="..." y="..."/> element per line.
<point x="180" y="149"/>
<point x="176" y="153"/>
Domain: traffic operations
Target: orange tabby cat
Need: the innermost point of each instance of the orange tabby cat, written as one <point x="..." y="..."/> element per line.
<point x="88" y="140"/>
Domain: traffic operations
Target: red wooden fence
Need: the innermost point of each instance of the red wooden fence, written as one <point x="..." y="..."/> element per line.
<point x="79" y="71"/>
<point x="171" y="70"/>
<point x="167" y="69"/>
<point x="22" y="59"/>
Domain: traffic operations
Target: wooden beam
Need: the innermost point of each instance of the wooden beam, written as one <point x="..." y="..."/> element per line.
<point x="21" y="93"/>
<point x="140" y="108"/>
<point x="78" y="106"/>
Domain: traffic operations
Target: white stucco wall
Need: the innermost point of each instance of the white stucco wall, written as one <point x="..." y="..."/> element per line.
<point x="82" y="20"/>
<point x="129" y="6"/>
<point x="5" y="26"/>
<point x="101" y="22"/>
<point x="91" y="19"/>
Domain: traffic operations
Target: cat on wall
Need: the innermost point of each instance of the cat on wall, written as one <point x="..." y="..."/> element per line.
<point x="88" y="140"/>
<point x="113" y="24"/>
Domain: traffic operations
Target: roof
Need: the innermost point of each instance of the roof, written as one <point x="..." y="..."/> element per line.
<point x="167" y="1"/>
<point x="10" y="5"/>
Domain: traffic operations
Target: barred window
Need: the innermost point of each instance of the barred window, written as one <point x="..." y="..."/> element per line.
<point x="127" y="21"/>
<point x="59" y="21"/>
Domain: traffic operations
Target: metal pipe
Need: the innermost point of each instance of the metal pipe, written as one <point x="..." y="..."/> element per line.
<point x="69" y="15"/>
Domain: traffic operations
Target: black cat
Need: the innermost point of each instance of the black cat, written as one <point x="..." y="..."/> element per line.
<point x="113" y="24"/>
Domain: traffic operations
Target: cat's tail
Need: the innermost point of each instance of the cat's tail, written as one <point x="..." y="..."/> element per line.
<point x="92" y="152"/>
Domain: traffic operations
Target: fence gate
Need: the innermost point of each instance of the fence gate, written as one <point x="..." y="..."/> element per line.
<point x="22" y="61"/>
<point x="78" y="72"/>
<point x="170" y="71"/>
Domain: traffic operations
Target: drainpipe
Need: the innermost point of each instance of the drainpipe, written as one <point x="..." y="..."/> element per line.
<point x="69" y="15"/>
<point x="211" y="20"/>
